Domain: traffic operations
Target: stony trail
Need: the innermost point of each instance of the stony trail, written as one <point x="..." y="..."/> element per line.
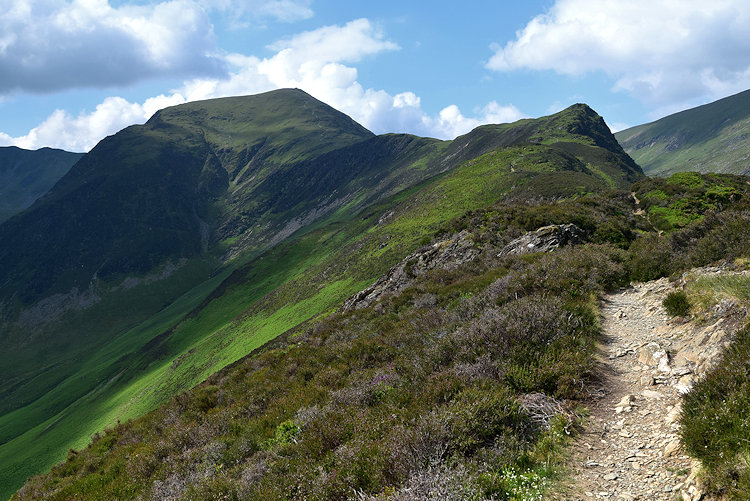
<point x="629" y="448"/>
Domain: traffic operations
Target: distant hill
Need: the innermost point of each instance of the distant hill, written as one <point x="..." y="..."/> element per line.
<point x="26" y="175"/>
<point x="711" y="138"/>
<point x="177" y="247"/>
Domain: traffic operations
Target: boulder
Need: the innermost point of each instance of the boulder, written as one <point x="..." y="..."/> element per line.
<point x="545" y="239"/>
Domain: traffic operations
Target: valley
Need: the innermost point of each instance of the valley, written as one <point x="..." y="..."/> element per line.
<point x="135" y="346"/>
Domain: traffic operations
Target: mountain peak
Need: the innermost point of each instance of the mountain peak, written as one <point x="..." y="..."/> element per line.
<point x="269" y="112"/>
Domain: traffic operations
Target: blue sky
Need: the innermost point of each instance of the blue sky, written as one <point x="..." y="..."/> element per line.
<point x="72" y="72"/>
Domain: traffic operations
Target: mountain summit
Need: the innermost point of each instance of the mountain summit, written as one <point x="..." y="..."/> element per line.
<point x="154" y="192"/>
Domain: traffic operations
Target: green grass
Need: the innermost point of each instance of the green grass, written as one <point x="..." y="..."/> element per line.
<point x="86" y="399"/>
<point x="112" y="329"/>
<point x="687" y="197"/>
<point x="709" y="291"/>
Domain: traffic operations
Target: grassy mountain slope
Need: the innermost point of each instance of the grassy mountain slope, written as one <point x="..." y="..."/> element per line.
<point x="578" y="131"/>
<point x="156" y="192"/>
<point x="27" y="175"/>
<point x="709" y="138"/>
<point x="450" y="388"/>
<point x="156" y="210"/>
<point x="144" y="363"/>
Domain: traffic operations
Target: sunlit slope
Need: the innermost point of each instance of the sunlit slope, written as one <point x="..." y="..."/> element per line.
<point x="156" y="210"/>
<point x="710" y="138"/>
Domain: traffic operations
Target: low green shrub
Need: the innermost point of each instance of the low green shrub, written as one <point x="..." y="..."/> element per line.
<point x="650" y="257"/>
<point x="676" y="303"/>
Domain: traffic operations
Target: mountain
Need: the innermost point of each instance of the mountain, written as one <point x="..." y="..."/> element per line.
<point x="458" y="374"/>
<point x="184" y="244"/>
<point x="157" y="192"/>
<point x="710" y="138"/>
<point x="27" y="175"/>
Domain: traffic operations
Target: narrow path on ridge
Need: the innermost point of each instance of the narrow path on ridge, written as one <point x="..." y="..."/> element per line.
<point x="629" y="448"/>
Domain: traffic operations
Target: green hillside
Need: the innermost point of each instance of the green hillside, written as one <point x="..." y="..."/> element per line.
<point x="160" y="210"/>
<point x="146" y="339"/>
<point x="27" y="175"/>
<point x="164" y="190"/>
<point x="451" y="387"/>
<point x="709" y="138"/>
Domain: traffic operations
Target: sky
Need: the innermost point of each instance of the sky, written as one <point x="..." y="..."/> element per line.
<point x="73" y="72"/>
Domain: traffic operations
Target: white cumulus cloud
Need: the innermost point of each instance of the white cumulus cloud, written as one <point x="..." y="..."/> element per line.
<point x="81" y="132"/>
<point x="52" y="45"/>
<point x="318" y="62"/>
<point x="667" y="53"/>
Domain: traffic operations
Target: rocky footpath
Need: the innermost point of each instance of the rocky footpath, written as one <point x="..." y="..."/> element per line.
<point x="629" y="448"/>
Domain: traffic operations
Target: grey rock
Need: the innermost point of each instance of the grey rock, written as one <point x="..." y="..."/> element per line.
<point x="446" y="255"/>
<point x="545" y="239"/>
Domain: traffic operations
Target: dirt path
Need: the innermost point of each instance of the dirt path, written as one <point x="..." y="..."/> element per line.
<point x="629" y="448"/>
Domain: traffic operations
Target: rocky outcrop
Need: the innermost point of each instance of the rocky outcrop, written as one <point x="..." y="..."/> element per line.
<point x="447" y="255"/>
<point x="453" y="252"/>
<point x="545" y="239"/>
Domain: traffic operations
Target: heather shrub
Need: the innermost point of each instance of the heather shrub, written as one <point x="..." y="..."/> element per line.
<point x="436" y="482"/>
<point x="650" y="257"/>
<point x="206" y="397"/>
<point x="722" y="236"/>
<point x="418" y="447"/>
<point x="478" y="415"/>
<point x="715" y="421"/>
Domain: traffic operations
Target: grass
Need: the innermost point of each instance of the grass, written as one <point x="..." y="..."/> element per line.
<point x="711" y="290"/>
<point x="715" y="422"/>
<point x="686" y="197"/>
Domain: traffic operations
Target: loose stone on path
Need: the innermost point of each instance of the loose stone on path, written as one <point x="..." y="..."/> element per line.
<point x="630" y="448"/>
